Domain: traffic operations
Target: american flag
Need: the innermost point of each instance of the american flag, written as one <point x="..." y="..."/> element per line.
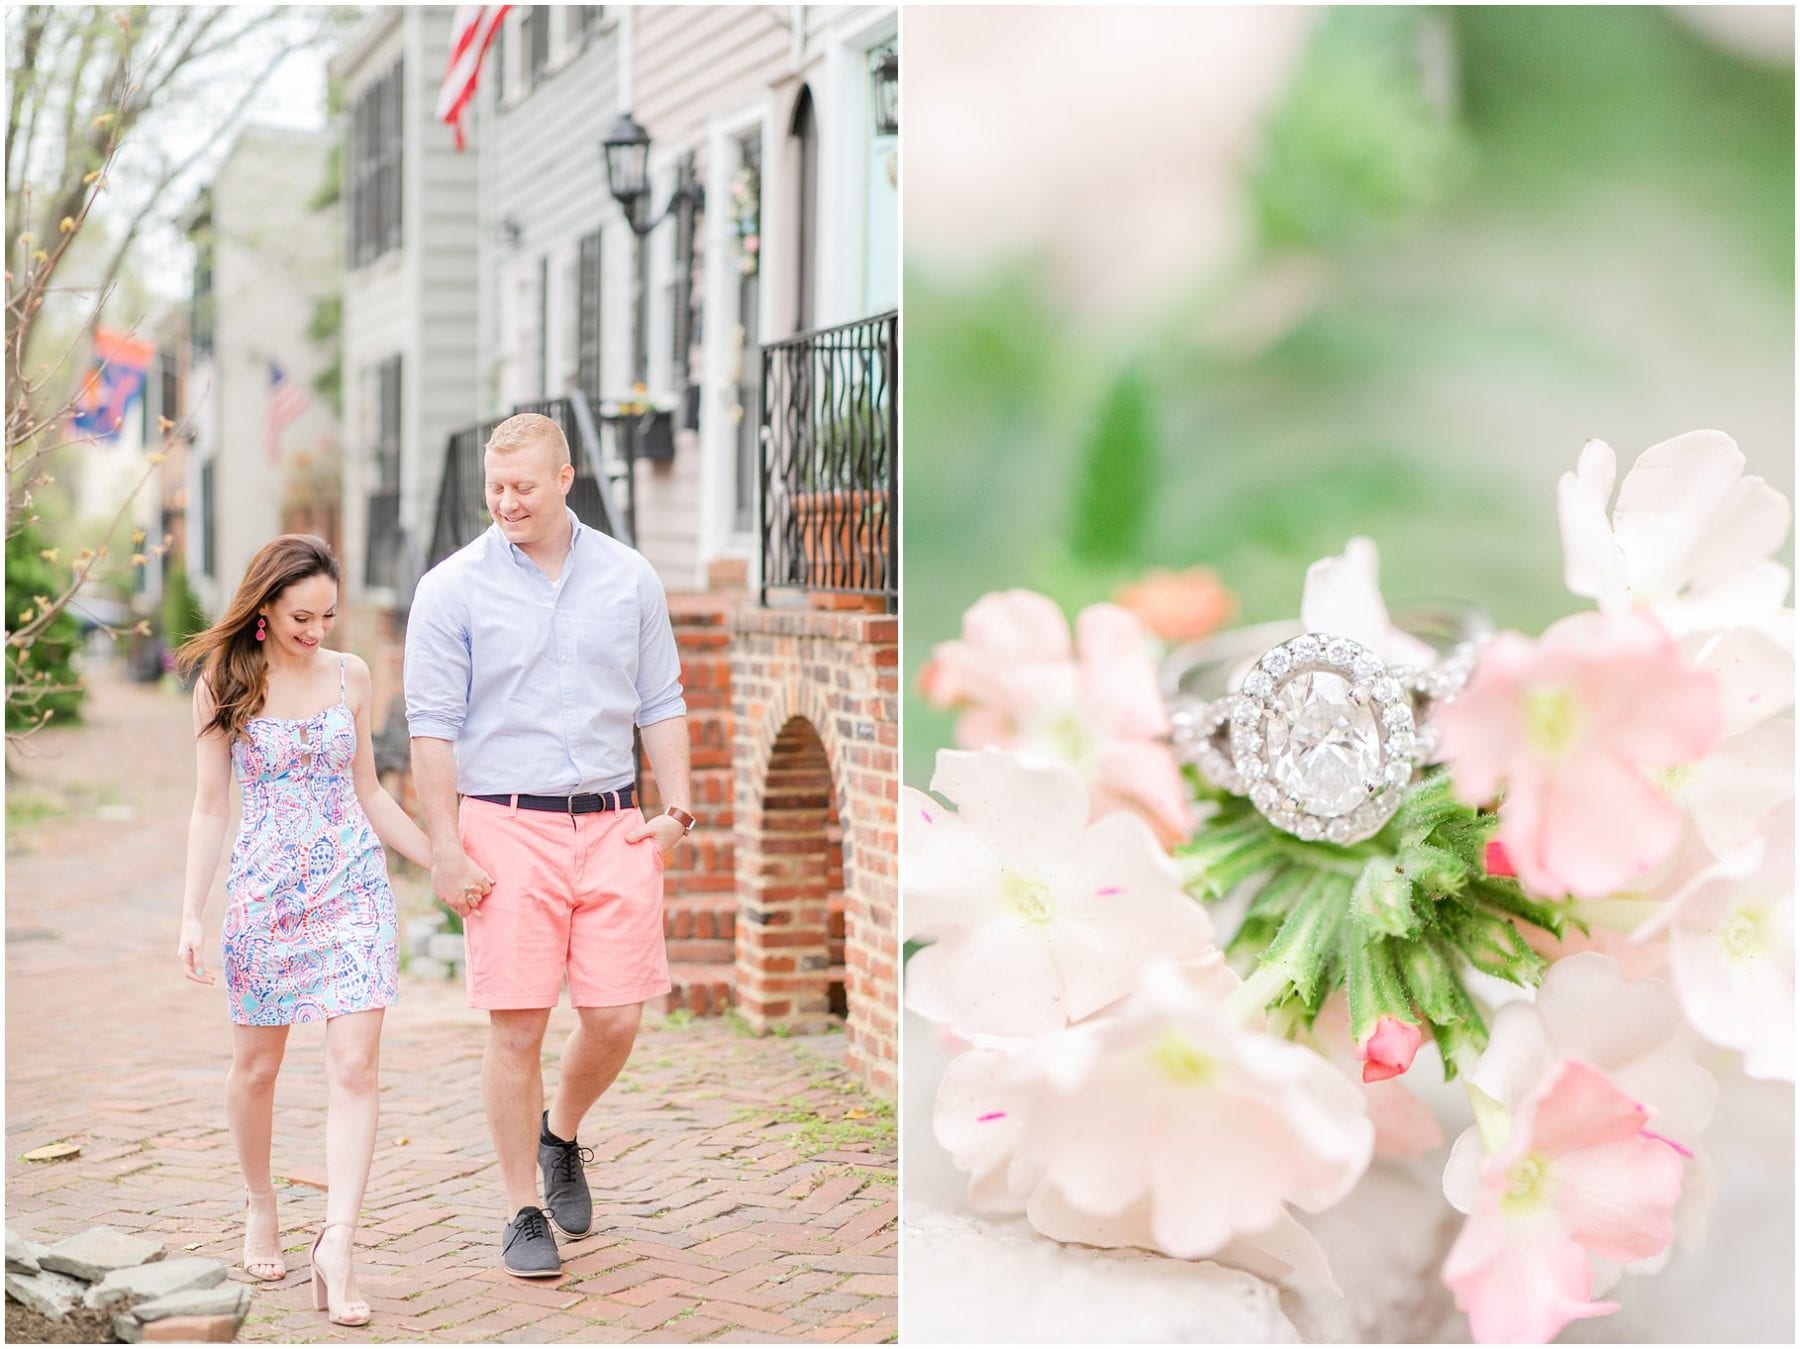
<point x="287" y="400"/>
<point x="472" y="29"/>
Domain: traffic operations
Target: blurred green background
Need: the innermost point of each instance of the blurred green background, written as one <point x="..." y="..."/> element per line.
<point x="1481" y="235"/>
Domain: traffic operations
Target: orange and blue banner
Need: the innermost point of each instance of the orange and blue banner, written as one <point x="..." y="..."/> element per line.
<point x="115" y="380"/>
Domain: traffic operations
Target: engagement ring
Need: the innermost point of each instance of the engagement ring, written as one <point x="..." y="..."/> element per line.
<point x="1320" y="734"/>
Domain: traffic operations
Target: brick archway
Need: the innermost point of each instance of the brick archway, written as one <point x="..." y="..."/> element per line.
<point x="815" y="797"/>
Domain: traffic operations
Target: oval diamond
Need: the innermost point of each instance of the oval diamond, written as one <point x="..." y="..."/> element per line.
<point x="1323" y="748"/>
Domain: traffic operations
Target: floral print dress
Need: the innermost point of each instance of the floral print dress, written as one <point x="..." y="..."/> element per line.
<point x="311" y="931"/>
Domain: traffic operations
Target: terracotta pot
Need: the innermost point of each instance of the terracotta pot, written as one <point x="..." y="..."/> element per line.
<point x="838" y="528"/>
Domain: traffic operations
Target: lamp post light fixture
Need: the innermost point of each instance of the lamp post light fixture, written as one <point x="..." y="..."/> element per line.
<point x="885" y="86"/>
<point x="626" y="151"/>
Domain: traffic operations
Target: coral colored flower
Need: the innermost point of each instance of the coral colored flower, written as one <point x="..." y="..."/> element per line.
<point x="1730" y="930"/>
<point x="1036" y="917"/>
<point x="1095" y="705"/>
<point x="1388" y="1049"/>
<point x="1343" y="598"/>
<point x="1179" y="606"/>
<point x="1690" y="537"/>
<point x="1404" y="1125"/>
<point x="1163" y="1123"/>
<point x="1574" y="725"/>
<point x="1580" y="1175"/>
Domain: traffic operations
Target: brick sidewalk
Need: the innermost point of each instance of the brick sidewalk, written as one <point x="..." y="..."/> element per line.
<point x="744" y="1187"/>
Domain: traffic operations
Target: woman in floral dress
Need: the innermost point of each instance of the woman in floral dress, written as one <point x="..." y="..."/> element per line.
<point x="310" y="930"/>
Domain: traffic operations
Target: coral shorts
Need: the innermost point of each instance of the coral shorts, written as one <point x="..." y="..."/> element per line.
<point x="571" y="898"/>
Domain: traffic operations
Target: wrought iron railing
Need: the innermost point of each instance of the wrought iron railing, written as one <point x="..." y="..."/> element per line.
<point x="462" y="501"/>
<point x="828" y="473"/>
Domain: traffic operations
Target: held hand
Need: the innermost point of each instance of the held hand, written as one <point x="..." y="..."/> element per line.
<point x="189" y="951"/>
<point x="666" y="830"/>
<point x="459" y="883"/>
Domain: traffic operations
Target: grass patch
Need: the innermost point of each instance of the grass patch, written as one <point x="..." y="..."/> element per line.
<point x="815" y="1132"/>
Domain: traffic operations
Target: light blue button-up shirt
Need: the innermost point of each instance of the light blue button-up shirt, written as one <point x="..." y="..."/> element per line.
<point x="538" y="683"/>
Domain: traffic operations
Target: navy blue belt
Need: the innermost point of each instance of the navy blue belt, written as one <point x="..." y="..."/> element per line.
<point x="585" y="803"/>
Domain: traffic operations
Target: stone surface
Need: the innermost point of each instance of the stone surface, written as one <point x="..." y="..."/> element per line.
<point x="192" y="1330"/>
<point x="19" y="1259"/>
<point x="128" y="1287"/>
<point x="226" y="1299"/>
<point x="972" y="1280"/>
<point x="1323" y="748"/>
<point x="51" y="1295"/>
<point x="97" y="1252"/>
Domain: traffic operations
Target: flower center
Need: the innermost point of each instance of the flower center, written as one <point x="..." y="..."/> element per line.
<point x="1743" y="935"/>
<point x="1181" y="1060"/>
<point x="1526" y="1184"/>
<point x="1551" y="717"/>
<point x="1673" y="778"/>
<point x="1064" y="737"/>
<point x="1027" y="899"/>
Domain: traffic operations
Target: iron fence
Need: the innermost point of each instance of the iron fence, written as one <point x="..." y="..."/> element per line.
<point x="828" y="473"/>
<point x="462" y="511"/>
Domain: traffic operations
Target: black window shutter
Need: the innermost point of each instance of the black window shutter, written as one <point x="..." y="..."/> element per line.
<point x="587" y="337"/>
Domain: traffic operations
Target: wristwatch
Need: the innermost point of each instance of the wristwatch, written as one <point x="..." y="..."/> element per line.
<point x="682" y="818"/>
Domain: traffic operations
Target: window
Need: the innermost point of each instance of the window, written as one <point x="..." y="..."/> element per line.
<point x="749" y="381"/>
<point x="534" y="37"/>
<point x="376" y="141"/>
<point x="386" y="541"/>
<point x="587" y="322"/>
<point x="543" y="328"/>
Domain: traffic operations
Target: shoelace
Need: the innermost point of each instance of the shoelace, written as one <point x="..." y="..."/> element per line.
<point x="569" y="1159"/>
<point x="531" y="1224"/>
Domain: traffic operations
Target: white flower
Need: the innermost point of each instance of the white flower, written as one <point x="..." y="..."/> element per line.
<point x="1690" y="537"/>
<point x="1730" y="927"/>
<point x="1343" y="597"/>
<point x="1166" y="1123"/>
<point x="1035" y="917"/>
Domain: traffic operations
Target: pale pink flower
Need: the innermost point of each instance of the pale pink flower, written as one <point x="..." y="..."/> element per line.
<point x="1579" y="1175"/>
<point x="1388" y="1049"/>
<point x="1730" y="930"/>
<point x="1343" y="597"/>
<point x="1096" y="705"/>
<point x="1164" y="1123"/>
<point x="1690" y="537"/>
<point x="1178" y="606"/>
<point x="1631" y="1032"/>
<point x="1574" y="725"/>
<point x="1035" y="917"/>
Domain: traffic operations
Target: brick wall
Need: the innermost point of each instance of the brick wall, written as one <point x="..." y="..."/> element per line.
<point x="817" y="732"/>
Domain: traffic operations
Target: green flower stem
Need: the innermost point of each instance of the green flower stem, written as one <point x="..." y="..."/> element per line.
<point x="1305" y="948"/>
<point x="1373" y="981"/>
<point x="1265" y="985"/>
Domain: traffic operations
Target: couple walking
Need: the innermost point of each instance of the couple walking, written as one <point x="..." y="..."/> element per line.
<point x="531" y="655"/>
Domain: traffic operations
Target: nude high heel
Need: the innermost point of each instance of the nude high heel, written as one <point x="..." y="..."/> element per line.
<point x="351" y="1313"/>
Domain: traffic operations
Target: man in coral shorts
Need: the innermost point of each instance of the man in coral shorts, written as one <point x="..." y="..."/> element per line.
<point x="530" y="656"/>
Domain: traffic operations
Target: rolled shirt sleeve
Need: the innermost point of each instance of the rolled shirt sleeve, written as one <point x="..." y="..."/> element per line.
<point x="438" y="662"/>
<point x="659" y="663"/>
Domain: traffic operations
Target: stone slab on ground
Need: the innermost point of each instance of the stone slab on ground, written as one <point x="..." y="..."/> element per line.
<point x="46" y="1293"/>
<point x="229" y="1299"/>
<point x="976" y="1280"/>
<point x="192" y="1330"/>
<point x="126" y="1288"/>
<point x="19" y="1259"/>
<point x="99" y="1251"/>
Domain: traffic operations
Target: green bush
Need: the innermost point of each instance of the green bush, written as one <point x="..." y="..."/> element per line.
<point x="182" y="616"/>
<point x="49" y="662"/>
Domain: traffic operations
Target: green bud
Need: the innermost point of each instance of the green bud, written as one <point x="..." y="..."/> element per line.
<point x="1305" y="948"/>
<point x="1381" y="901"/>
<point x="1436" y="871"/>
<point x="1374" y="984"/>
<point x="1505" y="896"/>
<point x="1490" y="943"/>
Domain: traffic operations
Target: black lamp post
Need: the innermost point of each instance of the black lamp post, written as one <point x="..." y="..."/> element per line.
<point x="885" y="85"/>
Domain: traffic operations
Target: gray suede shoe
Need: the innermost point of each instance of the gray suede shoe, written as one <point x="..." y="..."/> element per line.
<point x="527" y="1248"/>
<point x="565" y="1183"/>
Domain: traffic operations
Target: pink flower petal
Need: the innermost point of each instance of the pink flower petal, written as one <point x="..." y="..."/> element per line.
<point x="1388" y="1049"/>
<point x="1616" y="1199"/>
<point x="1519" y="1283"/>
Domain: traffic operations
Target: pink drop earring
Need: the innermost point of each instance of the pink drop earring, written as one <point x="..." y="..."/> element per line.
<point x="261" y="636"/>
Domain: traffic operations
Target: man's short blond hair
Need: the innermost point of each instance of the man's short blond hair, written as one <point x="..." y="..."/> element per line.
<point x="529" y="428"/>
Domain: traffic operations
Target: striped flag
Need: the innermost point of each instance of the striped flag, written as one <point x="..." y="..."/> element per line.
<point x="471" y="30"/>
<point x="287" y="400"/>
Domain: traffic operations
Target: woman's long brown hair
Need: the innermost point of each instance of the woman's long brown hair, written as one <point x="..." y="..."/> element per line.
<point x="227" y="655"/>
